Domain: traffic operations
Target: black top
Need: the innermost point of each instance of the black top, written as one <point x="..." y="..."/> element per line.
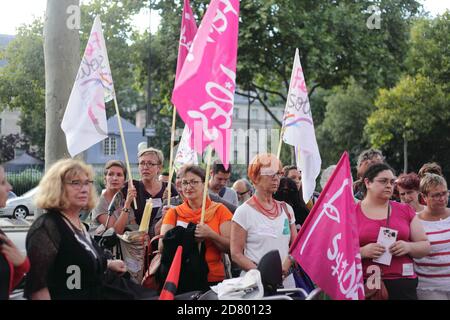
<point x="63" y="259"/>
<point x="5" y="275"/>
<point x="142" y="196"/>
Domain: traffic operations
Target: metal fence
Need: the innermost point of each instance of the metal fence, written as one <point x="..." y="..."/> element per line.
<point x="24" y="181"/>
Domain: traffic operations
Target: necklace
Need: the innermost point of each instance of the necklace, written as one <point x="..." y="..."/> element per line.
<point x="271" y="213"/>
<point x="80" y="225"/>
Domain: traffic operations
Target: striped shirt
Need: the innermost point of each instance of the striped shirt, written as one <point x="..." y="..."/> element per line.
<point x="434" y="269"/>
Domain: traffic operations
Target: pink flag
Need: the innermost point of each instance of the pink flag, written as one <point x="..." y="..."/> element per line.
<point x="187" y="34"/>
<point x="204" y="90"/>
<point x="327" y="246"/>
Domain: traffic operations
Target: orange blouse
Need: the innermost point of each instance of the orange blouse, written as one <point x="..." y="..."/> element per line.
<point x="215" y="215"/>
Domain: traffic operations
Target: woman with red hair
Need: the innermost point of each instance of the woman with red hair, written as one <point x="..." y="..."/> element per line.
<point x="262" y="224"/>
<point x="408" y="189"/>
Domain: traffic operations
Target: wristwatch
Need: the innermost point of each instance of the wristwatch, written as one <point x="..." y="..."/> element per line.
<point x="126" y="210"/>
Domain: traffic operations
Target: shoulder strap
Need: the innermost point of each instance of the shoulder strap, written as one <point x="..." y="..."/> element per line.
<point x="222" y="192"/>
<point x="285" y="209"/>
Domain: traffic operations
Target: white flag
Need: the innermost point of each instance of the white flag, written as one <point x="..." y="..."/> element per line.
<point x="84" y="121"/>
<point x="299" y="132"/>
<point x="185" y="154"/>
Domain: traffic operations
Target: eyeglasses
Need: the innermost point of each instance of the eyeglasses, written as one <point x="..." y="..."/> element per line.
<point x="78" y="184"/>
<point x="277" y="175"/>
<point x="385" y="181"/>
<point x="192" y="183"/>
<point x="242" y="193"/>
<point x="148" y="164"/>
<point x="438" y="195"/>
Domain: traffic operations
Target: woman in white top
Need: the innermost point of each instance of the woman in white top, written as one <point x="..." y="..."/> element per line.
<point x="262" y="224"/>
<point x="434" y="269"/>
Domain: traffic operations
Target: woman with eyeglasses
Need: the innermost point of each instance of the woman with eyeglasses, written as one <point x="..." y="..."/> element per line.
<point x="404" y="230"/>
<point x="65" y="262"/>
<point x="13" y="264"/>
<point x="434" y="269"/>
<point x="263" y="224"/>
<point x="115" y="174"/>
<point x="215" y="231"/>
<point x="150" y="166"/>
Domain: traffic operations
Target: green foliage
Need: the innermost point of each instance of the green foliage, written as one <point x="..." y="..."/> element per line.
<point x="429" y="52"/>
<point x="10" y="142"/>
<point x="410" y="111"/>
<point x="347" y="109"/>
<point x="22" y="81"/>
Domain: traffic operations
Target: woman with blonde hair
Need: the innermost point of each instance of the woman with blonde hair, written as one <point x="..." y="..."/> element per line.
<point x="434" y="269"/>
<point x="65" y="262"/>
<point x="262" y="224"/>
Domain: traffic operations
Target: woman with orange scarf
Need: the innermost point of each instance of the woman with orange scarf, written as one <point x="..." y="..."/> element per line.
<point x="217" y="224"/>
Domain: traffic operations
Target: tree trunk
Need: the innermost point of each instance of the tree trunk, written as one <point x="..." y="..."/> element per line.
<point x="405" y="155"/>
<point x="62" y="59"/>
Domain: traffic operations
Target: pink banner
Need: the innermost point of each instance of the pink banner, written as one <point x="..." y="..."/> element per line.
<point x="187" y="34"/>
<point x="204" y="90"/>
<point x="327" y="246"/>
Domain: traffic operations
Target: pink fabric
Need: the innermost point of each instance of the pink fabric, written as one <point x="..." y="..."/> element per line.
<point x="400" y="220"/>
<point x="204" y="90"/>
<point x="187" y="34"/>
<point x="327" y="245"/>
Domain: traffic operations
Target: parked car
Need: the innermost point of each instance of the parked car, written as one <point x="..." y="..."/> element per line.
<point x="20" y="207"/>
<point x="11" y="195"/>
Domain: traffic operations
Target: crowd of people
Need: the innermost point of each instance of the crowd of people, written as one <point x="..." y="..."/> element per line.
<point x="241" y="223"/>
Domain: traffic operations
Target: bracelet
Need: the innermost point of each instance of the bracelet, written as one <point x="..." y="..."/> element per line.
<point x="126" y="210"/>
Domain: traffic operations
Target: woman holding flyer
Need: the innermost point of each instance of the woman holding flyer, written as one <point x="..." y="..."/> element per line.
<point x="390" y="235"/>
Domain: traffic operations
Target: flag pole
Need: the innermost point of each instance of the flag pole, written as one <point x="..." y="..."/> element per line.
<point x="119" y="121"/>
<point x="280" y="144"/>
<point x="172" y="142"/>
<point x="205" y="189"/>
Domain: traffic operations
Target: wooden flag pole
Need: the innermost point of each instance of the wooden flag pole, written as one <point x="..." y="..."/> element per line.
<point x="205" y="190"/>
<point x="172" y="142"/>
<point x="119" y="121"/>
<point x="280" y="144"/>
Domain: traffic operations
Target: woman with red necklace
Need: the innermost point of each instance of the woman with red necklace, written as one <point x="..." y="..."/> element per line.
<point x="262" y="224"/>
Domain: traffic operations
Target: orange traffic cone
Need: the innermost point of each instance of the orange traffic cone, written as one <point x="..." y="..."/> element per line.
<point x="170" y="286"/>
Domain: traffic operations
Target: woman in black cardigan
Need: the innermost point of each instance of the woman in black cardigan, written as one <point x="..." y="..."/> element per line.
<point x="65" y="262"/>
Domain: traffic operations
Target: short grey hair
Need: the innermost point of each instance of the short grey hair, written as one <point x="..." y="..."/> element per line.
<point x="326" y="173"/>
<point x="368" y="155"/>
<point x="158" y="153"/>
<point x="431" y="180"/>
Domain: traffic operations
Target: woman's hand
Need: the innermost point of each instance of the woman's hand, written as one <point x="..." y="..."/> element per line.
<point x="203" y="231"/>
<point x="11" y="252"/>
<point x="372" y="251"/>
<point x="286" y="266"/>
<point x="400" y="248"/>
<point x="131" y="195"/>
<point x="117" y="266"/>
